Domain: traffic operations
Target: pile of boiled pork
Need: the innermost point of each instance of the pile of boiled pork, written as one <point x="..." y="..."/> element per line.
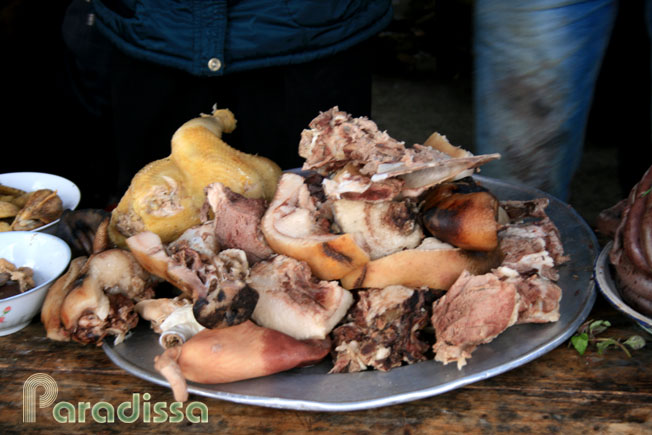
<point x="375" y="255"/>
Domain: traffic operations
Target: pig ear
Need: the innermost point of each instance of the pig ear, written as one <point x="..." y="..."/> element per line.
<point x="51" y="310"/>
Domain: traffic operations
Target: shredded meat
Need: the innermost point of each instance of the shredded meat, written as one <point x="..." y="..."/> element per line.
<point x="121" y="319"/>
<point x="528" y="213"/>
<point x="540" y="297"/>
<point x="201" y="239"/>
<point x="531" y="241"/>
<point x="533" y="251"/>
<point x="382" y="330"/>
<point x="525" y="251"/>
<point x="335" y="138"/>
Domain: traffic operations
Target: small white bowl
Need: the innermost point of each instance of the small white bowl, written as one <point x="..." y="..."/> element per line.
<point x="30" y="181"/>
<point x="48" y="256"/>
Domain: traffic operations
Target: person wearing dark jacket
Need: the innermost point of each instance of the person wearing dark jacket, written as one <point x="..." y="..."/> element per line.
<point x="145" y="67"/>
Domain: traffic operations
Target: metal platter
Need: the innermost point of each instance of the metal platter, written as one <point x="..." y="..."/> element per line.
<point x="312" y="389"/>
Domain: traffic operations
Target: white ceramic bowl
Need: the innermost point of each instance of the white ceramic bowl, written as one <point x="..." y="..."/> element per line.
<point x="30" y="181"/>
<point x="48" y="256"/>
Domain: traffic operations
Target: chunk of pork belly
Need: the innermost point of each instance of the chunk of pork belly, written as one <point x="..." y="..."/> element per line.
<point x="474" y="311"/>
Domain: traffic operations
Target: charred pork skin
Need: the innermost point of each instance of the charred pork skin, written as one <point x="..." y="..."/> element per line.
<point x="463" y="214"/>
<point x="292" y="227"/>
<point x="230" y="303"/>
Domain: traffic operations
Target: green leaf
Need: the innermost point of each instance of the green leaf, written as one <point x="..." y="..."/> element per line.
<point x="580" y="342"/>
<point x="598" y="327"/>
<point x="635" y="342"/>
<point x="603" y="345"/>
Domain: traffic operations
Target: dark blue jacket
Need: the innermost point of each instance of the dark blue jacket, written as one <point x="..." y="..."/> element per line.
<point x="216" y="37"/>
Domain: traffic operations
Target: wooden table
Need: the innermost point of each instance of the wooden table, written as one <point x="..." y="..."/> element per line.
<point x="561" y="392"/>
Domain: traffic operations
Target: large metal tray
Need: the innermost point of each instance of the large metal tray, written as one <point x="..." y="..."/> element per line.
<point x="312" y="389"/>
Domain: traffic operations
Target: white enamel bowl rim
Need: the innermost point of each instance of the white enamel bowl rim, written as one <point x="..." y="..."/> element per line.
<point x="67" y="190"/>
<point x="47" y="255"/>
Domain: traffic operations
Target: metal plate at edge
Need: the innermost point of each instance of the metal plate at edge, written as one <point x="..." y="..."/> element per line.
<point x="312" y="389"/>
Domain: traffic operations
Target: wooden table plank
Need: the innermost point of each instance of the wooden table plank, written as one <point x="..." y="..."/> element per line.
<point x="560" y="392"/>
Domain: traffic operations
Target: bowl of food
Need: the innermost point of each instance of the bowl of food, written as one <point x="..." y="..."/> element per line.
<point x="30" y="261"/>
<point x="623" y="270"/>
<point x="605" y="278"/>
<point x="34" y="201"/>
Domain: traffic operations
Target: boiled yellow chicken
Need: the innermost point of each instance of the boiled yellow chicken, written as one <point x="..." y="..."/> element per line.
<point x="166" y="196"/>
